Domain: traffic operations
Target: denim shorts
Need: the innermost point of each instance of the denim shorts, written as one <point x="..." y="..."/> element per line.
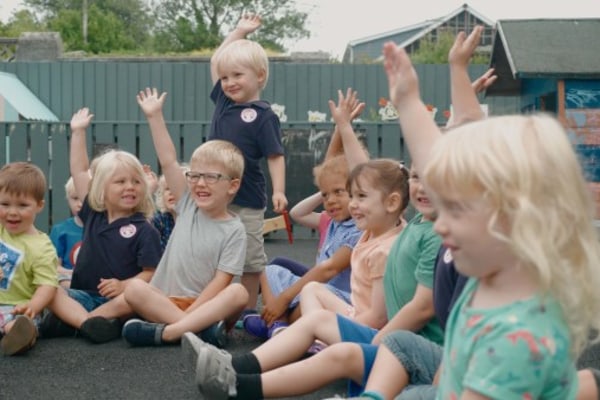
<point x="421" y="359"/>
<point x="89" y="301"/>
<point x="6" y="315"/>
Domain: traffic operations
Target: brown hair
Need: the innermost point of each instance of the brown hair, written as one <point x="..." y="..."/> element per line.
<point x="386" y="174"/>
<point x="23" y="178"/>
<point x="333" y="166"/>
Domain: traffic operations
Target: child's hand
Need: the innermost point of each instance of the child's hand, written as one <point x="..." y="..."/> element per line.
<point x="279" y="202"/>
<point x="484" y="81"/>
<point x="402" y="78"/>
<point x="151" y="178"/>
<point x="25" y="309"/>
<point x="110" y="288"/>
<point x="347" y="106"/>
<point x="272" y="311"/>
<point x="150" y="102"/>
<point x="81" y="119"/>
<point x="463" y="48"/>
<point x="249" y="23"/>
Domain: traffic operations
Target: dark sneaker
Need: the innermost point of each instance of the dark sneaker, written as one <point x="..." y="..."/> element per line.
<point x="20" y="338"/>
<point x="100" y="329"/>
<point x="256" y="326"/>
<point x="141" y="333"/>
<point x="51" y="326"/>
<point x="216" y="334"/>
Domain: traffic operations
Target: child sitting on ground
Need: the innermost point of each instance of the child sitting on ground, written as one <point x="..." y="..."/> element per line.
<point x="192" y="289"/>
<point x="66" y="237"/>
<point x="28" y="269"/>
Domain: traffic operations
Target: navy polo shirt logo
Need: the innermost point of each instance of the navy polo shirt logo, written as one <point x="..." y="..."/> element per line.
<point x="447" y="256"/>
<point x="128" y="231"/>
<point x="248" y="115"/>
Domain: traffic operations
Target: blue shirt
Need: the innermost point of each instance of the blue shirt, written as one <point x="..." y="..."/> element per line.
<point x="339" y="234"/>
<point x="66" y="237"/>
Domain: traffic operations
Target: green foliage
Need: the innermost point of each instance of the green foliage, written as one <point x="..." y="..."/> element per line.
<point x="21" y="21"/>
<point x="436" y="52"/>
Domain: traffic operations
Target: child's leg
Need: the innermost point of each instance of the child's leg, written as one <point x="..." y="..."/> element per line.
<point x="588" y="384"/>
<point x="316" y="296"/>
<point x="265" y="288"/>
<point x="227" y="303"/>
<point x="403" y="358"/>
<point x="251" y="282"/>
<point x="291" y="344"/>
<point x="67" y="309"/>
<point x="294" y="267"/>
<point x="151" y="303"/>
<point x="114" y="308"/>
<point x="341" y="360"/>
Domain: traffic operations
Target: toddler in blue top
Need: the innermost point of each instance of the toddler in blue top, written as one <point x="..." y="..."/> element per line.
<point x="66" y="236"/>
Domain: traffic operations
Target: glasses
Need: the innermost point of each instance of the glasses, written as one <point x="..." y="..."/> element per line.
<point x="210" y="178"/>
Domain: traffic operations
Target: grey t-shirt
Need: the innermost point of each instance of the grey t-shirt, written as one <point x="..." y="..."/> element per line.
<point x="197" y="248"/>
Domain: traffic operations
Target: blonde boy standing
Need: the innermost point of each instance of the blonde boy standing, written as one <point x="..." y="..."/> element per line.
<point x="28" y="260"/>
<point x="240" y="70"/>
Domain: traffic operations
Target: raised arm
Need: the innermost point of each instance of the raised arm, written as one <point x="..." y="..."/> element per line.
<point x="418" y="128"/>
<point x="336" y="147"/>
<point x="304" y="211"/>
<point x="342" y="116"/>
<point x="78" y="158"/>
<point x="151" y="104"/>
<point x="245" y="26"/>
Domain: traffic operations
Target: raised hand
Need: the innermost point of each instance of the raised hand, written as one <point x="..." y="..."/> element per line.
<point x="249" y="23"/>
<point x="150" y="101"/>
<point x="484" y="81"/>
<point x="402" y="78"/>
<point x="464" y="46"/>
<point x="81" y="119"/>
<point x="347" y="108"/>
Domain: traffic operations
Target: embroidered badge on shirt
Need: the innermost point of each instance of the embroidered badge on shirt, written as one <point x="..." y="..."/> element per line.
<point x="447" y="256"/>
<point x="128" y="231"/>
<point x="248" y="114"/>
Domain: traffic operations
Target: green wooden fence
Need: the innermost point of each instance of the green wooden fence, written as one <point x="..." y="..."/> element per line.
<point x="47" y="145"/>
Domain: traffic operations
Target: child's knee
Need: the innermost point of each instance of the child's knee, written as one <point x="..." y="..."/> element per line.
<point x="311" y="289"/>
<point x="238" y="294"/>
<point x="134" y="289"/>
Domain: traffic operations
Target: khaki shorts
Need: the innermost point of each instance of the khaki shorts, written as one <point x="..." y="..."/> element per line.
<point x="253" y="221"/>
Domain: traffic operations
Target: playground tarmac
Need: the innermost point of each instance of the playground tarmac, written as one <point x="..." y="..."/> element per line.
<point x="72" y="368"/>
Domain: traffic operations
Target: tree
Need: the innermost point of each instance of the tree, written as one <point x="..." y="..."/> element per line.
<point x="436" y="51"/>
<point x="20" y="21"/>
<point x="113" y="25"/>
<point x="185" y="25"/>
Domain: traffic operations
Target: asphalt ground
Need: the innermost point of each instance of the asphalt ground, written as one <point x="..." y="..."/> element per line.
<point x="73" y="368"/>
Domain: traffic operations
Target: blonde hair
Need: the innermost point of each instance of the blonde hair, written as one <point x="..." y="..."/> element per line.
<point x="222" y="153"/>
<point x="246" y="53"/>
<point x="337" y="166"/>
<point x="70" y="187"/>
<point x="526" y="169"/>
<point x="104" y="166"/>
<point x="387" y="175"/>
<point x="23" y="178"/>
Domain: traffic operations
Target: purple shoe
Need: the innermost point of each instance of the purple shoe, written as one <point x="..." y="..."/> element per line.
<point x="256" y="326"/>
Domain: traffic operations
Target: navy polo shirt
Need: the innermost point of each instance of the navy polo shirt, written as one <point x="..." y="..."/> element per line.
<point x="254" y="128"/>
<point x="447" y="287"/>
<point x="116" y="250"/>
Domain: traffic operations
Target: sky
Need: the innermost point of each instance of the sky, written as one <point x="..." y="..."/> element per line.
<point x="334" y="23"/>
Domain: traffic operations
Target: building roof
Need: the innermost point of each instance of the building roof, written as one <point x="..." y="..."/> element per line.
<point x="409" y="34"/>
<point x="544" y="48"/>
<point x="23" y="100"/>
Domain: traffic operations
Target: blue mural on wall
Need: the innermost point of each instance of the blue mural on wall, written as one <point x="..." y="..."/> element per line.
<point x="582" y="93"/>
<point x="589" y="156"/>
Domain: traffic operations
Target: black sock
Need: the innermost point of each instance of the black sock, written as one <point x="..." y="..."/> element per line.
<point x="249" y="387"/>
<point x="246" y="364"/>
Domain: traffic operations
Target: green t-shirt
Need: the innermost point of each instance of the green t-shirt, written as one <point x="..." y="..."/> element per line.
<point x="27" y="261"/>
<point x="516" y="351"/>
<point x="411" y="261"/>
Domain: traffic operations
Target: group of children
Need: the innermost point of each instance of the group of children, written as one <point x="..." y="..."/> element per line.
<point x="488" y="291"/>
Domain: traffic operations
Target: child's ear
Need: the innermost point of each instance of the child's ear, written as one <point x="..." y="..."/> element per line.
<point x="234" y="186"/>
<point x="262" y="76"/>
<point x="393" y="203"/>
<point x="40" y="205"/>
